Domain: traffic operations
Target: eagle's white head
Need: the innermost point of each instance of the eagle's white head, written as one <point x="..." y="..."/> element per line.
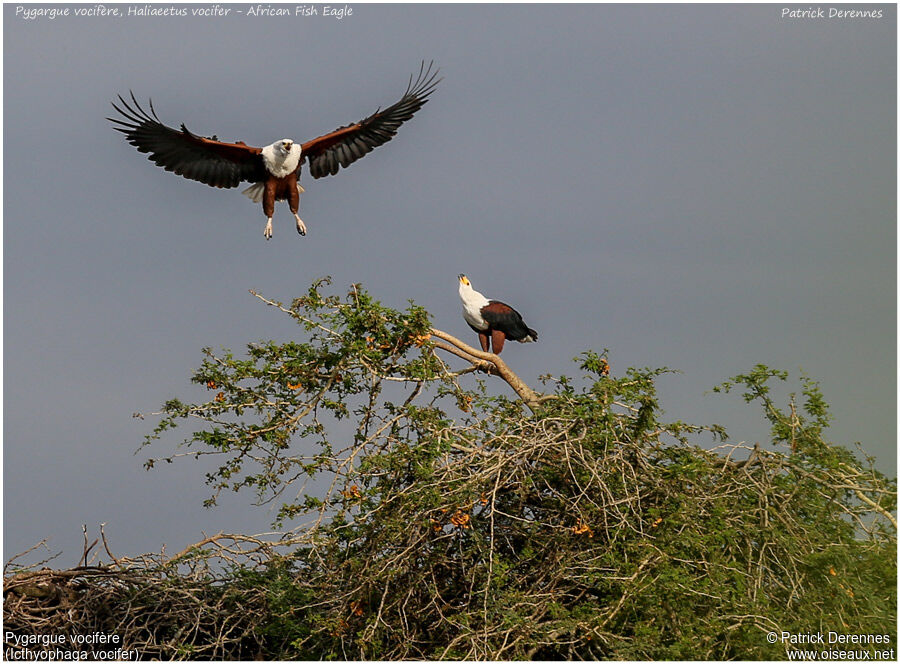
<point x="471" y="298"/>
<point x="281" y="157"/>
<point x="472" y="302"/>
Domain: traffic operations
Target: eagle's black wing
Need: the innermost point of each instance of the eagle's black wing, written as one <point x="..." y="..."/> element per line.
<point x="326" y="154"/>
<point x="503" y="317"/>
<point x="206" y="160"/>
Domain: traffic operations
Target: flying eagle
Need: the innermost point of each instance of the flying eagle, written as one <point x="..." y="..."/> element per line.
<point x="275" y="169"/>
<point x="494" y="321"/>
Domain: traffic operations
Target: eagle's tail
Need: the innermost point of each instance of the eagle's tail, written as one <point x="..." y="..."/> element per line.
<point x="255" y="192"/>
<point x="532" y="336"/>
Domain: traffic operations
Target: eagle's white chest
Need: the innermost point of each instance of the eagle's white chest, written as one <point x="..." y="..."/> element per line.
<point x="472" y="302"/>
<point x="473" y="318"/>
<point x="280" y="162"/>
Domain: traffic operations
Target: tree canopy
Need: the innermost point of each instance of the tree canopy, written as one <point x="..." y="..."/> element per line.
<point x="428" y="514"/>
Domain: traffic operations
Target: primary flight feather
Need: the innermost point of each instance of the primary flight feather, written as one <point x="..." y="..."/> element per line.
<point x="275" y="169"/>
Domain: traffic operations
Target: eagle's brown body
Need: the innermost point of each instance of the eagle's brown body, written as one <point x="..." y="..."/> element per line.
<point x="282" y="189"/>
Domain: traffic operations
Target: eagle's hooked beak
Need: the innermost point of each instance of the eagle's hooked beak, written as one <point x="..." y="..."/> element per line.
<point x="464" y="279"/>
<point x="287" y="146"/>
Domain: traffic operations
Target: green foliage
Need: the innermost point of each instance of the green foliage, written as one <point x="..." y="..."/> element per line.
<point x="449" y="523"/>
<point x="279" y="393"/>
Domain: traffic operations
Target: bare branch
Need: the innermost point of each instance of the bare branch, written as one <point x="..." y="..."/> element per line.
<point x="492" y="364"/>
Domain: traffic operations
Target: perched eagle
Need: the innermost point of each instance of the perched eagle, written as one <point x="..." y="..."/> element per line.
<point x="494" y="321"/>
<point x="275" y="169"/>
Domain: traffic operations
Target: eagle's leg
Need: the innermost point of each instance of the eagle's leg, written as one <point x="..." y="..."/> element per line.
<point x="498" y="339"/>
<point x="269" y="206"/>
<point x="301" y="227"/>
<point x="294" y="202"/>
<point x="485" y="341"/>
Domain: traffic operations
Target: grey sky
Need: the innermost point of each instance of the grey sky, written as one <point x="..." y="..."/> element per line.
<point x="700" y="187"/>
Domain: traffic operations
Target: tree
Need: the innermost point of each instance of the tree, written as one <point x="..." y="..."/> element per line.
<point x="429" y="517"/>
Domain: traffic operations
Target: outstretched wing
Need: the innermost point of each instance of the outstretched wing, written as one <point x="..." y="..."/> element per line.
<point x="206" y="160"/>
<point x="326" y="154"/>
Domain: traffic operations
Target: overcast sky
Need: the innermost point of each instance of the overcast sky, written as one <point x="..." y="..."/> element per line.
<point x="700" y="187"/>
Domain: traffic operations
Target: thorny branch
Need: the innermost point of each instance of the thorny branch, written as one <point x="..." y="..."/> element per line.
<point x="163" y="607"/>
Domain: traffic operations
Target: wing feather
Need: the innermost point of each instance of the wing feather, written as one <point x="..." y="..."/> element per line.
<point x="340" y="148"/>
<point x="501" y="316"/>
<point x="205" y="160"/>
